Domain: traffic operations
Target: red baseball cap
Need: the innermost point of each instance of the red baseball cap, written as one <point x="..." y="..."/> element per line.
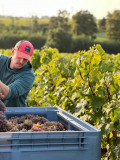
<point x="24" y="49"/>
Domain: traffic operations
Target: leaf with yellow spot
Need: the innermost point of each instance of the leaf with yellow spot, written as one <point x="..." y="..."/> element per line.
<point x="111" y="135"/>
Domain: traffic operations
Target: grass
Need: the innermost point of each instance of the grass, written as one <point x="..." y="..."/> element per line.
<point x="100" y="36"/>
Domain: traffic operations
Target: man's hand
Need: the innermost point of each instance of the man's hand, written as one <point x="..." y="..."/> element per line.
<point x="4" y="90"/>
<point x="1" y="94"/>
<point x="2" y="106"/>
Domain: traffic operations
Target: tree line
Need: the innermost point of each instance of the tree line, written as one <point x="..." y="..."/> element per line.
<point x="64" y="33"/>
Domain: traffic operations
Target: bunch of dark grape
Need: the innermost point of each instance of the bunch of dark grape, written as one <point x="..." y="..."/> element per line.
<point x="29" y="123"/>
<point x="2" y="106"/>
<point x="25" y="122"/>
<point x="4" y="126"/>
<point x="48" y="126"/>
<point x="39" y="119"/>
<point x="60" y="126"/>
<point x="14" y="129"/>
<point x="33" y="118"/>
<point x="14" y="120"/>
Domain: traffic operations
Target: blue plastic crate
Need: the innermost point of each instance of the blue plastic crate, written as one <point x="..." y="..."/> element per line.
<point x="81" y="142"/>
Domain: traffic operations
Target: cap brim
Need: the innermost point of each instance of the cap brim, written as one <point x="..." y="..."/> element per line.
<point x="23" y="55"/>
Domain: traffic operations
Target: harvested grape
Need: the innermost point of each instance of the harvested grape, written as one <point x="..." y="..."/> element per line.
<point x="4" y="125"/>
<point x="29" y="123"/>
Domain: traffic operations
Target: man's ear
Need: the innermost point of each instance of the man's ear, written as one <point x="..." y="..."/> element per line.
<point x="12" y="51"/>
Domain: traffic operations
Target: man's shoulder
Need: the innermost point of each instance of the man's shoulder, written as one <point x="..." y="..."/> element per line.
<point x="29" y="69"/>
<point x="4" y="60"/>
<point x="3" y="57"/>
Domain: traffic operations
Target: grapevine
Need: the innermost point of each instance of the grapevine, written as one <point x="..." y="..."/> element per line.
<point x="87" y="84"/>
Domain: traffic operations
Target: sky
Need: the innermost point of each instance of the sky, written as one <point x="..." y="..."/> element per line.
<point x="39" y="8"/>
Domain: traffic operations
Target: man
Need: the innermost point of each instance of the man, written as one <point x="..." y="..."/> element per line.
<point x="16" y="75"/>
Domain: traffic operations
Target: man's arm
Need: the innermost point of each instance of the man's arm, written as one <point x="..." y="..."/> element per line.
<point x="4" y="90"/>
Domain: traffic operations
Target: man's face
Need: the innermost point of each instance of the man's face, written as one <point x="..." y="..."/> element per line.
<point x="17" y="62"/>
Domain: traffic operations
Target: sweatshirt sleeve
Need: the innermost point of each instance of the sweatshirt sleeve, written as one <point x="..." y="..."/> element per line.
<point x="20" y="86"/>
<point x="3" y="60"/>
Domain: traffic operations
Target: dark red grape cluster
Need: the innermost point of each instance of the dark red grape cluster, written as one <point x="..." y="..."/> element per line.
<point x="2" y="106"/>
<point x="48" y="126"/>
<point x="4" y="126"/>
<point x="29" y="123"/>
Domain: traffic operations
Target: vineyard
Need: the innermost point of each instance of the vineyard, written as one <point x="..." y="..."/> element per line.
<point x="87" y="84"/>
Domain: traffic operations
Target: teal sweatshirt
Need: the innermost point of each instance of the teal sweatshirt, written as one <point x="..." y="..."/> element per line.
<point x="20" y="82"/>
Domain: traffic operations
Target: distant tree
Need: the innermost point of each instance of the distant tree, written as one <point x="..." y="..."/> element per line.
<point x="59" y="35"/>
<point x="60" y="39"/>
<point x="13" y="27"/>
<point x="35" y="24"/>
<point x="102" y="24"/>
<point x="113" y="25"/>
<point x="36" y="27"/>
<point x="84" y="23"/>
<point x="43" y="28"/>
<point x="61" y="21"/>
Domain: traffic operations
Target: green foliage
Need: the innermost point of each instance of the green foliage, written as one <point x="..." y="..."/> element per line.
<point x="87" y="85"/>
<point x="8" y="41"/>
<point x="102" y="25"/>
<point x="6" y="52"/>
<point x="84" y="23"/>
<point x="61" y="21"/>
<point x="111" y="47"/>
<point x="36" y="59"/>
<point x="59" y="35"/>
<point x="13" y="29"/>
<point x="60" y="39"/>
<point x="113" y="25"/>
<point x="101" y="37"/>
<point x="79" y="43"/>
<point x="13" y="25"/>
<point x="35" y="25"/>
